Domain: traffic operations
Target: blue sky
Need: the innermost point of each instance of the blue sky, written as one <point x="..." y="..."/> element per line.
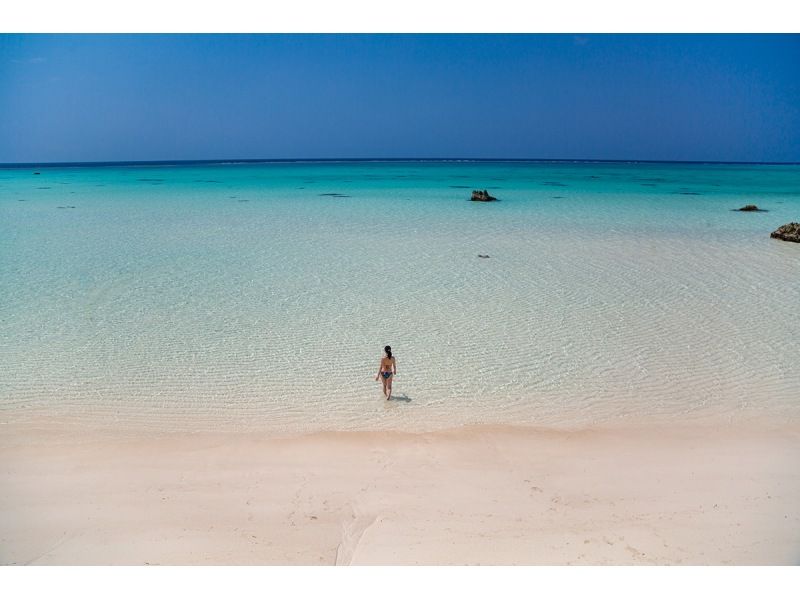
<point x="183" y="97"/>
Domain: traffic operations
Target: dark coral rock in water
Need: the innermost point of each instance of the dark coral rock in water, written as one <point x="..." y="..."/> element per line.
<point x="483" y="255"/>
<point x="478" y="195"/>
<point x="788" y="232"/>
<point x="749" y="208"/>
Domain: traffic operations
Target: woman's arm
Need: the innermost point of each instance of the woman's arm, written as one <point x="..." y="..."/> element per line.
<point x="378" y="375"/>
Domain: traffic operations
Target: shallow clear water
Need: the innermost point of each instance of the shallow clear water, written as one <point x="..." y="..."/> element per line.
<point x="243" y="296"/>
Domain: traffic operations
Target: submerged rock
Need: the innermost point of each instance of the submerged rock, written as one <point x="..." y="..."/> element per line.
<point x="478" y="195"/>
<point x="788" y="232"/>
<point x="482" y="255"/>
<point x="749" y="208"/>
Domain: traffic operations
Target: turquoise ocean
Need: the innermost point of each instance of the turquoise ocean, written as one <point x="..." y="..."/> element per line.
<point x="258" y="296"/>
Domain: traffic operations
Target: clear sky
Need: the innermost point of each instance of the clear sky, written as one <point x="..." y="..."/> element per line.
<point x="184" y="97"/>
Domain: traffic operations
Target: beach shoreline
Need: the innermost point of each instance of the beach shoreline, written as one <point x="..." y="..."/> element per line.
<point x="637" y="494"/>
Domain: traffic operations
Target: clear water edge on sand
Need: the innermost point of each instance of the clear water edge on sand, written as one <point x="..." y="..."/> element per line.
<point x="258" y="296"/>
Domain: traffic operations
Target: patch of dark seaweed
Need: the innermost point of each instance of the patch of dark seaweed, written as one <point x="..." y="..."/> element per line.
<point x="553" y="184"/>
<point x="333" y="195"/>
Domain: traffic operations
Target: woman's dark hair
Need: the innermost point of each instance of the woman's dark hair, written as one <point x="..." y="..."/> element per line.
<point x="388" y="350"/>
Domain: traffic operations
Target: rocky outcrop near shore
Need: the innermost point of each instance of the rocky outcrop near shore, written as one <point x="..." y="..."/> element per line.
<point x="788" y="232"/>
<point x="478" y="195"/>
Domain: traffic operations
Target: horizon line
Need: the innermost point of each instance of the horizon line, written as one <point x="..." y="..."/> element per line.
<point x="233" y="161"/>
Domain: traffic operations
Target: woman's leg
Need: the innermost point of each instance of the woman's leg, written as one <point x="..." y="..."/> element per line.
<point x="384" y="384"/>
<point x="389" y="385"/>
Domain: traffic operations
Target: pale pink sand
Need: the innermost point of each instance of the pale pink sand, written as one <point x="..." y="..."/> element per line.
<point x="694" y="495"/>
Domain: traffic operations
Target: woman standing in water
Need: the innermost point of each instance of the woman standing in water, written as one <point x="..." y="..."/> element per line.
<point x="387" y="370"/>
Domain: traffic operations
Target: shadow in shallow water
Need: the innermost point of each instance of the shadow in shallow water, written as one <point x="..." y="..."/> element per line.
<point x="403" y="398"/>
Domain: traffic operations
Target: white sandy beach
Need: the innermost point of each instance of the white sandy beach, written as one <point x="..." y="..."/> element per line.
<point x="488" y="495"/>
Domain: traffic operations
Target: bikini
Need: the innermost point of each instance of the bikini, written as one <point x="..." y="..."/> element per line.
<point x="386" y="374"/>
